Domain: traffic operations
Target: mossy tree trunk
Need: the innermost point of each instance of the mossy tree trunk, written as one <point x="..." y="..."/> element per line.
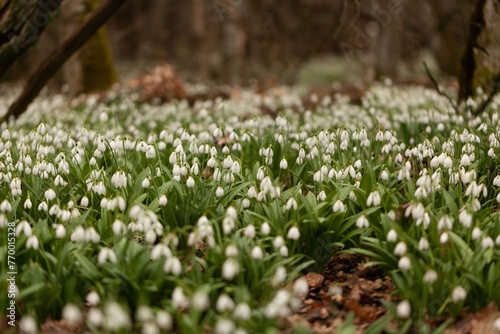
<point x="91" y="68"/>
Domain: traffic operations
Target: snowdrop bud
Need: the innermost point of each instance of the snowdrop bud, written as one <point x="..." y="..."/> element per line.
<point x="293" y="233"/>
<point x="476" y="233"/>
<point x="458" y="294"/>
<point x="300" y="287"/>
<point x="430" y="276"/>
<point x="231" y="250"/>
<point x="224" y="303"/>
<point x="400" y="249"/>
<point x="84" y="202"/>
<point x="404" y="263"/>
<point x="179" y="300"/>
<point x="190" y="182"/>
<point x="200" y="300"/>
<point x="465" y="218"/>
<point x="443" y="238"/>
<point x="487" y="242"/>
<point x="338" y="206"/>
<point x="164" y="320"/>
<point x="71" y="313"/>
<point x="93" y="298"/>
<point x="283" y="164"/>
<point x="219" y="192"/>
<point x="145" y="183"/>
<point x="245" y="203"/>
<point x="230" y="268"/>
<point x="291" y="204"/>
<point x="265" y="228"/>
<point x="284" y="251"/>
<point x="278" y="241"/>
<point x="392" y="236"/>
<point x="362" y="222"/>
<point x="224" y="326"/>
<point x="423" y="244"/>
<point x="28" y="325"/>
<point x="32" y="242"/>
<point x="279" y="276"/>
<point x="242" y="311"/>
<point x="257" y="253"/>
<point x="27" y="204"/>
<point x="249" y="231"/>
<point x="403" y="309"/>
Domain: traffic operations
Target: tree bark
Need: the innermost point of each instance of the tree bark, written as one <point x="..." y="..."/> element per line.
<point x="25" y="23"/>
<point x="54" y="62"/>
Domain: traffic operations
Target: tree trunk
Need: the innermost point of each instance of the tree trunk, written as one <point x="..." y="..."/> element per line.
<point x="25" y="22"/>
<point x="54" y="62"/>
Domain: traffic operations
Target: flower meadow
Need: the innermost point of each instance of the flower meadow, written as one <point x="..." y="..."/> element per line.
<point x="175" y="218"/>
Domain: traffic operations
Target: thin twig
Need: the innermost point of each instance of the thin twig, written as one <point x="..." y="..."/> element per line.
<point x="438" y="89"/>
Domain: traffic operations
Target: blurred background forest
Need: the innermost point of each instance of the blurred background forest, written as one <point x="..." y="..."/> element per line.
<point x="266" y="41"/>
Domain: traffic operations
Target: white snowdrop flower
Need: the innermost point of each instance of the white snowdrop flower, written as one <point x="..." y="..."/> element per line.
<point x="487" y="242"/>
<point x="400" y="249"/>
<point x="465" y="160"/>
<point x="283" y="251"/>
<point x="242" y="311"/>
<point x="404" y="263"/>
<point x="291" y="204"/>
<point x="78" y="234"/>
<point x="43" y="206"/>
<point x="172" y="265"/>
<point x="224" y="326"/>
<point x="384" y="176"/>
<point x="249" y="231"/>
<point x="392" y="236"/>
<point x="118" y="227"/>
<point x="279" y="276"/>
<point x="403" y="310"/>
<point x="160" y="250"/>
<point x="230" y="268"/>
<point x="265" y="228"/>
<point x="252" y="193"/>
<point x="283" y="164"/>
<point x="115" y="317"/>
<point x="162" y="200"/>
<point x="339" y="206"/>
<point x="293" y="233"/>
<point x="321" y="196"/>
<point x="27" y="204"/>
<point x="50" y="194"/>
<point x="498" y="198"/>
<point x="119" y="179"/>
<point x="465" y="218"/>
<point x="300" y="287"/>
<point x="92" y="236"/>
<point x="362" y="222"/>
<point x="245" y="203"/>
<point x="32" y="242"/>
<point x="443" y="238"/>
<point x="224" y="303"/>
<point x="92" y="161"/>
<point x="104" y="202"/>
<point x="260" y="174"/>
<point x="496" y="181"/>
<point x="24" y="227"/>
<point x="60" y="230"/>
<point x="28" y="325"/>
<point x="476" y="233"/>
<point x="93" y="298"/>
<point x="106" y="255"/>
<point x="445" y="223"/>
<point x="84" y="202"/>
<point x="430" y="276"/>
<point x="231" y="250"/>
<point x="200" y="300"/>
<point x="71" y="313"/>
<point x="392" y="215"/>
<point x="219" y="192"/>
<point x="146" y="183"/>
<point x="458" y="294"/>
<point x="278" y="242"/>
<point x="95" y="317"/>
<point x="236" y="167"/>
<point x="179" y="299"/>
<point x="257" y="253"/>
<point x="373" y="199"/>
<point x="190" y="182"/>
<point x="497" y="240"/>
<point x="164" y="320"/>
<point x="423" y="244"/>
